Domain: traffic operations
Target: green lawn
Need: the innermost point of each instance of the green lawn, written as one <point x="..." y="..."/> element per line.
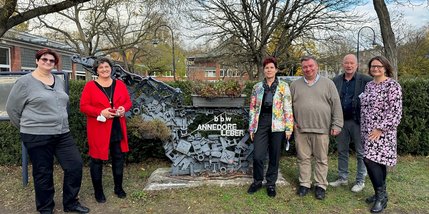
<point x="407" y="184"/>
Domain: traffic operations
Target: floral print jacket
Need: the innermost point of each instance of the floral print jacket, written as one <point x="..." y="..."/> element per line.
<point x="282" y="108"/>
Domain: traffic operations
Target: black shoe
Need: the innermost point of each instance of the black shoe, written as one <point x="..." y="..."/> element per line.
<point x="255" y="186"/>
<point x="370" y="199"/>
<point x="320" y="193"/>
<point x="120" y="193"/>
<point x="271" y="191"/>
<point x="302" y="191"/>
<point x="100" y="197"/>
<point x="78" y="208"/>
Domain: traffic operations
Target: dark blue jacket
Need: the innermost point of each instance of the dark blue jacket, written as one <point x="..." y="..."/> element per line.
<point x="361" y="81"/>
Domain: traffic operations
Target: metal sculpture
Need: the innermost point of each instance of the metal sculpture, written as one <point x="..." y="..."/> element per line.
<point x="190" y="152"/>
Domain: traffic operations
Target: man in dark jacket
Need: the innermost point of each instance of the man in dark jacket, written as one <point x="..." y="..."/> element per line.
<point x="349" y="85"/>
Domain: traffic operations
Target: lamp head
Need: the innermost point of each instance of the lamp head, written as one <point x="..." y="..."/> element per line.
<point x="155" y="42"/>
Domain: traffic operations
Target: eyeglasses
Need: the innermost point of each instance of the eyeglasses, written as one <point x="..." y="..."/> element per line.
<point x="376" y="66"/>
<point x="45" y="60"/>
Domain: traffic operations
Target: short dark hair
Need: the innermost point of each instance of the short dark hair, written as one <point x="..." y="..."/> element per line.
<point x="44" y="51"/>
<point x="309" y="57"/>
<point x="385" y="62"/>
<point x="100" y="61"/>
<point x="268" y="60"/>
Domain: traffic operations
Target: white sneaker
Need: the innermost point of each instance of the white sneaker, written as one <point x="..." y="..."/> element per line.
<point x="358" y="187"/>
<point x="339" y="182"/>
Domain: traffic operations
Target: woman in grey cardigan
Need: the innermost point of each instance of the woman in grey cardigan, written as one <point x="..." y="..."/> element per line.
<point x="37" y="105"/>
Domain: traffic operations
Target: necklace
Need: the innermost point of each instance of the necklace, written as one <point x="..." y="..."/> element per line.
<point x="111" y="93"/>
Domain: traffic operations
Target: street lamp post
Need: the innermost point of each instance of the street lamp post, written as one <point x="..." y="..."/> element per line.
<point x="373" y="41"/>
<point x="155" y="41"/>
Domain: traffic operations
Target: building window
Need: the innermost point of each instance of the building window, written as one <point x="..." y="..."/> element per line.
<point x="28" y="60"/>
<point x="168" y="74"/>
<point x="222" y="73"/>
<point x="4" y="59"/>
<point x="66" y="62"/>
<point x="210" y="73"/>
<point x="233" y="73"/>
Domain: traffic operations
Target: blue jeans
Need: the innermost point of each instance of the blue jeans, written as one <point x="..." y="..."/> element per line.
<point x="349" y="133"/>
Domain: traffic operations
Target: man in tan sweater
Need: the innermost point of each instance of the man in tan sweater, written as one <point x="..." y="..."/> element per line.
<point x="317" y="111"/>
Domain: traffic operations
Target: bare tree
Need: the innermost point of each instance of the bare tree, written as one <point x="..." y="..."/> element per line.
<point x="129" y="25"/>
<point x="11" y="14"/>
<point x="79" y="26"/>
<point x="387" y="34"/>
<point x="413" y="57"/>
<point x="119" y="28"/>
<point x="251" y="25"/>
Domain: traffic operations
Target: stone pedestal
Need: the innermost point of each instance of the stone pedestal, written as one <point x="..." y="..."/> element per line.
<point x="161" y="179"/>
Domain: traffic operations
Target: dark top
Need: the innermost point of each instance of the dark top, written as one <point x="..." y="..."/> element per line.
<point x="267" y="100"/>
<point x="361" y="81"/>
<point x="116" y="134"/>
<point x="347" y="94"/>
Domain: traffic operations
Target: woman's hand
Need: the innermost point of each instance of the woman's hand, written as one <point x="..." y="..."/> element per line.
<point x="108" y="114"/>
<point x="375" y="135"/>
<point x="120" y="111"/>
<point x="252" y="135"/>
<point x="288" y="136"/>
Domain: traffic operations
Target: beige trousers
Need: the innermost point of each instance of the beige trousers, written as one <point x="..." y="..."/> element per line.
<point x="316" y="145"/>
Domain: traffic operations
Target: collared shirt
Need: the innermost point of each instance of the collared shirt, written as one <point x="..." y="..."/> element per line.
<point x="311" y="84"/>
<point x="347" y="93"/>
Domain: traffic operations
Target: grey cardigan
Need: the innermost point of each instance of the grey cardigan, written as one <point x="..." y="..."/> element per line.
<point x="36" y="108"/>
<point x="361" y="81"/>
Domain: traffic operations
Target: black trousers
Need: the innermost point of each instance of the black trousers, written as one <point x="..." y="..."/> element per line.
<point x="118" y="159"/>
<point x="376" y="172"/>
<point x="41" y="150"/>
<point x="266" y="141"/>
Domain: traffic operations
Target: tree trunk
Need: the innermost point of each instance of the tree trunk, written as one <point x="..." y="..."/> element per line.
<point x="387" y="34"/>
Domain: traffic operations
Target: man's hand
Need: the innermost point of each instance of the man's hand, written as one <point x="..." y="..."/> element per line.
<point x="334" y="132"/>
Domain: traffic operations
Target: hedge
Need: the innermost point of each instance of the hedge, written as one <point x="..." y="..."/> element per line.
<point x="413" y="136"/>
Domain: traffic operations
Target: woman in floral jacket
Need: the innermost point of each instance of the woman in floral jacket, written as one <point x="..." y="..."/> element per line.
<point x="381" y="110"/>
<point x="270" y="120"/>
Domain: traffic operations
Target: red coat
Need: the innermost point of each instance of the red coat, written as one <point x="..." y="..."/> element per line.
<point x="92" y="102"/>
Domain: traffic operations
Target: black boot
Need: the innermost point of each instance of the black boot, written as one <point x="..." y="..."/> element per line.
<point x="98" y="191"/>
<point x="380" y="201"/>
<point x="372" y="198"/>
<point x="96" y="170"/>
<point x="118" y="176"/>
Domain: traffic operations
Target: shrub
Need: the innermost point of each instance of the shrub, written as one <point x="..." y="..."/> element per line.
<point x="221" y="88"/>
<point x="144" y="130"/>
<point x="413" y="137"/>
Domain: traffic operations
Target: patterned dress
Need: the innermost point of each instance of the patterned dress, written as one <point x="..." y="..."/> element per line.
<point x="381" y="108"/>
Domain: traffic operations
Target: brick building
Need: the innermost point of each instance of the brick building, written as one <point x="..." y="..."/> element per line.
<point x="205" y="67"/>
<point x="18" y="50"/>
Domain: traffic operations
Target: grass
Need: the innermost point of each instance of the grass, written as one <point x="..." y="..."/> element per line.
<point x="407" y="184"/>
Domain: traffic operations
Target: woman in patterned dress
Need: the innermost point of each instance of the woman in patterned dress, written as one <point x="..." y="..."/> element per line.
<point x="381" y="104"/>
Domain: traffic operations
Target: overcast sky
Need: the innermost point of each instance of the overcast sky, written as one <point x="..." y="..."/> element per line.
<point x="417" y="15"/>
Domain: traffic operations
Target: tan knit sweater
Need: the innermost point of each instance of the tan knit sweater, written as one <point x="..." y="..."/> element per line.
<point x="316" y="108"/>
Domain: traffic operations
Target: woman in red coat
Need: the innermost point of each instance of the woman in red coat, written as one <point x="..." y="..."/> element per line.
<point x="104" y="102"/>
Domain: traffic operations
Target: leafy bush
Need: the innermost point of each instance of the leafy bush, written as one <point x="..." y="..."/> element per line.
<point x="144" y="130"/>
<point x="413" y="137"/>
<point x="186" y="88"/>
<point x="226" y="88"/>
<point x="10" y="144"/>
